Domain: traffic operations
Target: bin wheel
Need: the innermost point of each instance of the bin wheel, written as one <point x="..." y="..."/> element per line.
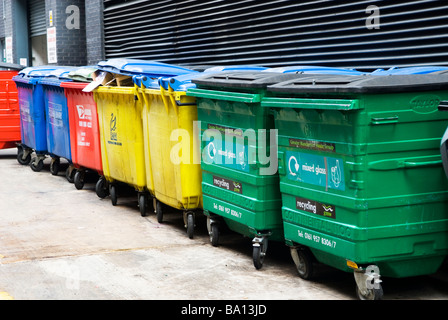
<point x="20" y="159"/>
<point x="372" y="294"/>
<point x="142" y="200"/>
<point x="303" y="260"/>
<point x="37" y="167"/>
<point x="101" y="188"/>
<point x="113" y="194"/>
<point x="259" y="252"/>
<point x="79" y="179"/>
<point x="70" y="174"/>
<point x="54" y="166"/>
<point x="214" y="234"/>
<point x="190" y="225"/>
<point x="158" y="210"/>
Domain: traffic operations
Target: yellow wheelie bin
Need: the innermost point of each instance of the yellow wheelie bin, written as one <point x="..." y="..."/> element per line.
<point x="172" y="159"/>
<point x="121" y="125"/>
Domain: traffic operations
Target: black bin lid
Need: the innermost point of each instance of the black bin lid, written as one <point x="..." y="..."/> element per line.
<point x="362" y="84"/>
<point x="242" y="79"/>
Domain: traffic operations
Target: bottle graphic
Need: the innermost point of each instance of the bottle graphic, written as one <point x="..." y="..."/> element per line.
<point x="336" y="174"/>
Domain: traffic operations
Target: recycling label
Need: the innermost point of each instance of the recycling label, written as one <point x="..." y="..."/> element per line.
<point x="322" y="171"/>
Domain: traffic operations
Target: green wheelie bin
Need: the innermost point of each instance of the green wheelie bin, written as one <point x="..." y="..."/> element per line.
<point x="361" y="175"/>
<point x="240" y="183"/>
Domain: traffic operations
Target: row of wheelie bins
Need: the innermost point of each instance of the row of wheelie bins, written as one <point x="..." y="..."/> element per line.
<point x="344" y="167"/>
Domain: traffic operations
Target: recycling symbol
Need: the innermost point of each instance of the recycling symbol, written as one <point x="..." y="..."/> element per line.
<point x="293" y="165"/>
<point x="211" y="150"/>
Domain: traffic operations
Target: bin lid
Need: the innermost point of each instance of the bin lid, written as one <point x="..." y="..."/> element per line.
<point x="410" y="70"/>
<point x="57" y="76"/>
<point x="366" y="83"/>
<point x="235" y="68"/>
<point x="83" y="74"/>
<point x="131" y="67"/>
<point x="34" y="74"/>
<point x="313" y="70"/>
<point x="184" y="82"/>
<point x="242" y="79"/>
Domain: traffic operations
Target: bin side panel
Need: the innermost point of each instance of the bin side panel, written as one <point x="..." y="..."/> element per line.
<point x="121" y="135"/>
<point x="84" y="130"/>
<point x="58" y="128"/>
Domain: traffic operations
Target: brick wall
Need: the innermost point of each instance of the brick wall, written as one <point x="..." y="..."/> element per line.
<point x="70" y="42"/>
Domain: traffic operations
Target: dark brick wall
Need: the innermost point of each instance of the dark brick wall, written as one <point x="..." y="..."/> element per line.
<point x="94" y="34"/>
<point x="71" y="43"/>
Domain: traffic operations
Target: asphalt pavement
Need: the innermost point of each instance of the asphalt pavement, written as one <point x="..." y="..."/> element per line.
<point x="60" y="243"/>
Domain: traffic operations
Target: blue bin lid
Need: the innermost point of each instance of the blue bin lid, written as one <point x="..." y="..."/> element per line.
<point x="57" y="76"/>
<point x="313" y="70"/>
<point x="34" y="75"/>
<point x="132" y="67"/>
<point x="410" y="70"/>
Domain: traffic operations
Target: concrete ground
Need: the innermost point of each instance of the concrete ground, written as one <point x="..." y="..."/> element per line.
<point x="60" y="243"/>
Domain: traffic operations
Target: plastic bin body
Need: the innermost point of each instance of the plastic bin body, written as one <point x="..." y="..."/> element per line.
<point x="233" y="187"/>
<point x="173" y="180"/>
<point x="360" y="170"/>
<point x="121" y="135"/>
<point x="56" y="113"/>
<point x="85" y="140"/>
<point x="10" y="134"/>
<point x="32" y="108"/>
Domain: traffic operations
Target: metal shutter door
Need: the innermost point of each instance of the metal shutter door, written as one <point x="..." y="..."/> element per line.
<point x="278" y="32"/>
<point x="37" y="17"/>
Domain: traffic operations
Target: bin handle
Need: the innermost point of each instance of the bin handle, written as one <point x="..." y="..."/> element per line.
<point x="281" y="161"/>
<point x="299" y="103"/>
<point x="384" y="165"/>
<point x="173" y="100"/>
<point x="225" y="95"/>
<point x="165" y="101"/>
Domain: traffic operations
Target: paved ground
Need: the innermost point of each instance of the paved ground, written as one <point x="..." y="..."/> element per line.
<point x="59" y="243"/>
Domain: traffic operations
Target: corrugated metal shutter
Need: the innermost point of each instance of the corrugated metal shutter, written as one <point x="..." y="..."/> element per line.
<point x="37" y="17"/>
<point x="278" y="32"/>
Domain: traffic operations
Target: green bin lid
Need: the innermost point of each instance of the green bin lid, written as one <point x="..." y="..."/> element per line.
<point x="242" y="79"/>
<point x="361" y="84"/>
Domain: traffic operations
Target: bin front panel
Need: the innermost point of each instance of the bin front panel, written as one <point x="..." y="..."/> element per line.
<point x="84" y="128"/>
<point x="173" y="167"/>
<point x="365" y="182"/>
<point x="121" y="134"/>
<point x="235" y="133"/>
<point x="58" y="127"/>
<point x="32" y="116"/>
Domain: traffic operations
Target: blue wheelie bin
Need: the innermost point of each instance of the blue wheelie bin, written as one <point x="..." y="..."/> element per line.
<point x="57" y="120"/>
<point x="32" y="114"/>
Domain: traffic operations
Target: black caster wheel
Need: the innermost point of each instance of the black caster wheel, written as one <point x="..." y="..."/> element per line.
<point x="113" y="194"/>
<point x="158" y="210"/>
<point x="23" y="161"/>
<point x="101" y="188"/>
<point x="214" y="234"/>
<point x="142" y="203"/>
<point x="259" y="252"/>
<point x="54" y="166"/>
<point x="37" y="167"/>
<point x="190" y="225"/>
<point x="79" y="179"/>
